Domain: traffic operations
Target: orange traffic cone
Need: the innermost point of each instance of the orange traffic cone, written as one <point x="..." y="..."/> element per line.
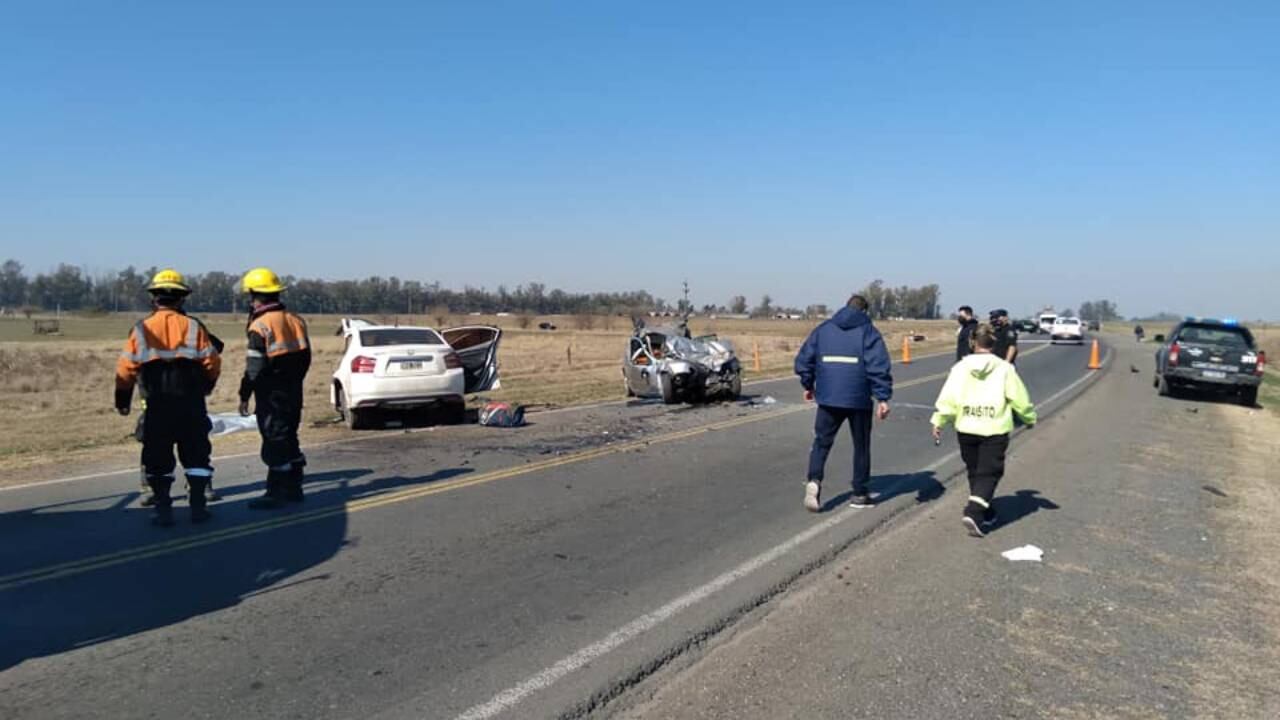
<point x="906" y="351"/>
<point x="1094" y="362"/>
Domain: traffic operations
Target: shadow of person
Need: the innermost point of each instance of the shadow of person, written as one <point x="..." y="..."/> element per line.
<point x="108" y="589"/>
<point x="1012" y="508"/>
<point x="884" y="488"/>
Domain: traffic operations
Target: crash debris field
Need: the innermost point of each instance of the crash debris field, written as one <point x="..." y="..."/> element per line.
<point x="55" y="391"/>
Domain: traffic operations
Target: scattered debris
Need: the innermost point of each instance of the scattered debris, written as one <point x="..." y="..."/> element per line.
<point x="1134" y="369"/>
<point x="1213" y="490"/>
<point x="1029" y="553"/>
<point x="1193" y="410"/>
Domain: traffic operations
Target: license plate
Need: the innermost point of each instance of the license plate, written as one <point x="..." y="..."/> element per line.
<point x="410" y="364"/>
<point x="1215" y="374"/>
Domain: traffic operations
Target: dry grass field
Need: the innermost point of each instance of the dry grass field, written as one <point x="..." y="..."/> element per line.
<point x="56" y="392"/>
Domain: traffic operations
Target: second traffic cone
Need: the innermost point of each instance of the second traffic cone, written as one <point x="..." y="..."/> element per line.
<point x="1094" y="362"/>
<point x="906" y="351"/>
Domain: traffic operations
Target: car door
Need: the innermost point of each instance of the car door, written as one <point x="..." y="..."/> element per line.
<point x="477" y="346"/>
<point x="638" y="367"/>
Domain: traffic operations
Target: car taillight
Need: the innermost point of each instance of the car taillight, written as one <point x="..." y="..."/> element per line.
<point x="1262" y="364"/>
<point x="1174" y="351"/>
<point x="452" y="361"/>
<point x="363" y="364"/>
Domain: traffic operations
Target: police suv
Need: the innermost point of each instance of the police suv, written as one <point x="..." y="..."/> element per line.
<point x="1210" y="355"/>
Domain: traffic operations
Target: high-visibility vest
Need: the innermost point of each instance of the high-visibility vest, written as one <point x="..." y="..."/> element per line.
<point x="284" y="332"/>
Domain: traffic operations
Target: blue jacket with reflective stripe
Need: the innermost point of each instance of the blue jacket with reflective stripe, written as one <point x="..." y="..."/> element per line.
<point x="845" y="362"/>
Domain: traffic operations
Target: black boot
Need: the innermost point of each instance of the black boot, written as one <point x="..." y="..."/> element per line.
<point x="273" y="498"/>
<point x="197" y="498"/>
<point x="211" y="495"/>
<point x="160" y="485"/>
<point x="293" y="485"/>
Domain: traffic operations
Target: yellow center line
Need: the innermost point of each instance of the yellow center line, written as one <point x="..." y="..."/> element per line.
<point x="106" y="560"/>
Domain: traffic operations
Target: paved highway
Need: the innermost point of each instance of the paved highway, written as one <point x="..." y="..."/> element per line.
<point x="461" y="572"/>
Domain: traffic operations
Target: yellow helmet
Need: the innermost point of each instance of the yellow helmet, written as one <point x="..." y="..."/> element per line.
<point x="262" y="280"/>
<point x="169" y="280"/>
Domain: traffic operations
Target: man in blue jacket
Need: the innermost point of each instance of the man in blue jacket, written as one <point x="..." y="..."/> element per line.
<point x="845" y="366"/>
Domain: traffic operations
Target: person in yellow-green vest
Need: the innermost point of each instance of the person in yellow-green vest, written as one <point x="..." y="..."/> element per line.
<point x="981" y="396"/>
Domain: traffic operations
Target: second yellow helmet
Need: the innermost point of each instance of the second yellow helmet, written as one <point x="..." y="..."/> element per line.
<point x="262" y="280"/>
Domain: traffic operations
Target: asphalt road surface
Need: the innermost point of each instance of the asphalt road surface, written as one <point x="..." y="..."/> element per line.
<point x="461" y="572"/>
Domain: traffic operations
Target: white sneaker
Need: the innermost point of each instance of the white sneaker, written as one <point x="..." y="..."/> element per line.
<point x="812" y="496"/>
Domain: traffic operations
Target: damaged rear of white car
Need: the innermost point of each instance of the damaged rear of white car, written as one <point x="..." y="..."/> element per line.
<point x="665" y="363"/>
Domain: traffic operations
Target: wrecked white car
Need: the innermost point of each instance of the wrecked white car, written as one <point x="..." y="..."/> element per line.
<point x="393" y="367"/>
<point x="664" y="362"/>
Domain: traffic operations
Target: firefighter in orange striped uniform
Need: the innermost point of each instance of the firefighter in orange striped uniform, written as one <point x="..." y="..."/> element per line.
<point x="279" y="357"/>
<point x="176" y="362"/>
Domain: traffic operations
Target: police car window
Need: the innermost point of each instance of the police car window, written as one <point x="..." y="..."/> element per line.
<point x="1226" y="337"/>
<point x="399" y="336"/>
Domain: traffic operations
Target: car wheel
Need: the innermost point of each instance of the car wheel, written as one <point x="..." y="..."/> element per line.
<point x="735" y="388"/>
<point x="354" y="419"/>
<point x="1249" y="397"/>
<point x="668" y="384"/>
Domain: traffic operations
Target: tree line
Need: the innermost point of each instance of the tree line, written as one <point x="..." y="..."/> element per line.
<point x="70" y="289"/>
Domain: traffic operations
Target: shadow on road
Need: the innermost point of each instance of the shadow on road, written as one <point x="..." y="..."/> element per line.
<point x="1012" y="508"/>
<point x="925" y="485"/>
<point x="147" y="592"/>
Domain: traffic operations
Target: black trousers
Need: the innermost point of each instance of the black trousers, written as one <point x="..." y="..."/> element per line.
<point x="825" y="427"/>
<point x="170" y="422"/>
<point x="279" y="411"/>
<point x="984" y="459"/>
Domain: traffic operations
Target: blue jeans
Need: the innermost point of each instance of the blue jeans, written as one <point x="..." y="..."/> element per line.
<point x="825" y="426"/>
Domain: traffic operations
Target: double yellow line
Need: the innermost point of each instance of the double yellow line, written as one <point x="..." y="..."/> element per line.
<point x="168" y="547"/>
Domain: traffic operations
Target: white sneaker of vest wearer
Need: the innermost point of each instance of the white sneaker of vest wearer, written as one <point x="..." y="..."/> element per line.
<point x="812" y="496"/>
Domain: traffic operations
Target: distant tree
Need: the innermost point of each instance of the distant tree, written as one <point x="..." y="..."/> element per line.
<point x="765" y="308"/>
<point x="13" y="284"/>
<point x="738" y="305"/>
<point x="1069" y="313"/>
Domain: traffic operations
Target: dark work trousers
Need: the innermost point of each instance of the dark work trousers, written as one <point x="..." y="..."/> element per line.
<point x="279" y="411"/>
<point x="183" y="422"/>
<point x="984" y="458"/>
<point x="825" y="426"/>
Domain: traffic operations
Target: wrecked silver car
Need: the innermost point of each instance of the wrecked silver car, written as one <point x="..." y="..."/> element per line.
<point x="664" y="362"/>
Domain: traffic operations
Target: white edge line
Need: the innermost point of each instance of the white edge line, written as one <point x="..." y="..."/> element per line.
<point x="409" y="431"/>
<point x="509" y="698"/>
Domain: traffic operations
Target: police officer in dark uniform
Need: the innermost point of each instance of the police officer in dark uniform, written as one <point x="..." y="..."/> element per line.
<point x="177" y="363"/>
<point x="964" y="341"/>
<point x="279" y="356"/>
<point x="1006" y="346"/>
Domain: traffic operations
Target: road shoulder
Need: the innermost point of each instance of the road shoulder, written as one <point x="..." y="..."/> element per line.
<point x="1157" y="595"/>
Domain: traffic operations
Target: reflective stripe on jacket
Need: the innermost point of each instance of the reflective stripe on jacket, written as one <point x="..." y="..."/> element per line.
<point x="981" y="396"/>
<point x="168" y="336"/>
<point x="282" y="331"/>
<point x="279" y="351"/>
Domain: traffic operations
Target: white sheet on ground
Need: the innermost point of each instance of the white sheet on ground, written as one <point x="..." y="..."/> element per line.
<point x="227" y="423"/>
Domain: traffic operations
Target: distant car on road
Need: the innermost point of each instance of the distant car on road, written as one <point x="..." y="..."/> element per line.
<point x="1210" y="355"/>
<point x="1066" y="329"/>
<point x="1046" y="322"/>
<point x="1095" y="326"/>
<point x="1026" y="326"/>
<point x="397" y="367"/>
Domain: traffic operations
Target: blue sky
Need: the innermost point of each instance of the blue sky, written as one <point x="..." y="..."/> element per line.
<point x="1016" y="153"/>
